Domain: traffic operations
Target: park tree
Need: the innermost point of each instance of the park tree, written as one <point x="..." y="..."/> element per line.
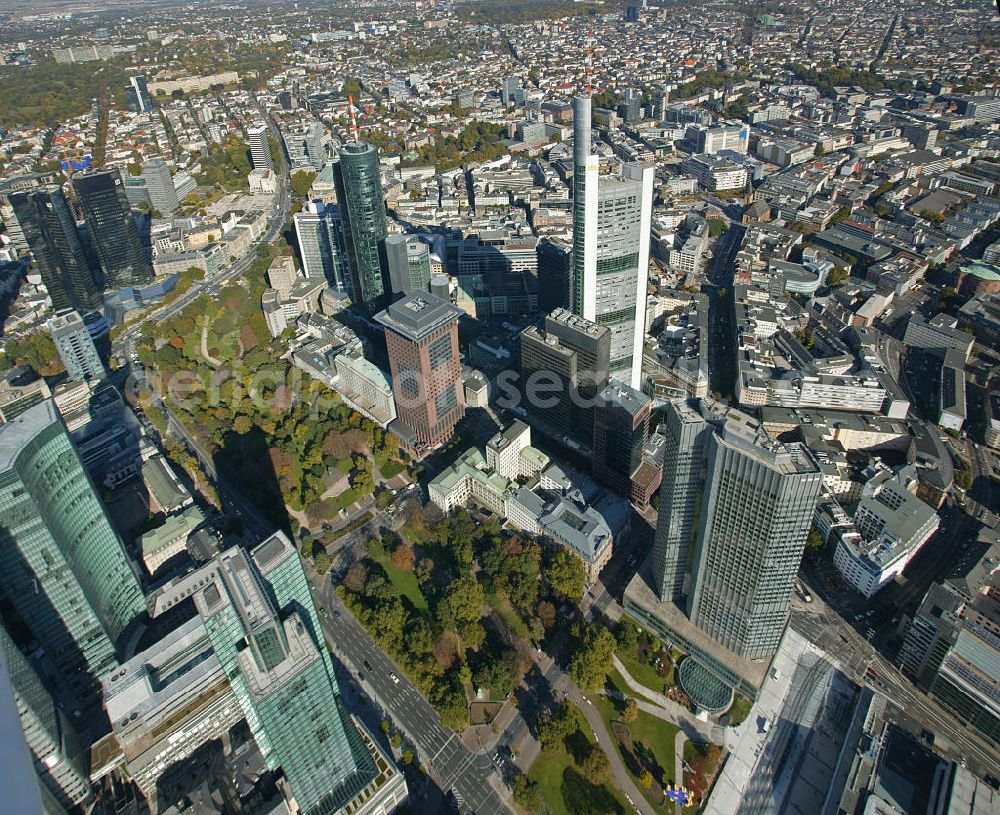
<point x="631" y="711"/>
<point x="566" y="575"/>
<point x="593" y="647"/>
<point x="554" y="727"/>
<point x="356" y="577"/>
<point x="596" y="767"/>
<point x="462" y="603"/>
<point x="402" y="556"/>
<point x="527" y="794"/>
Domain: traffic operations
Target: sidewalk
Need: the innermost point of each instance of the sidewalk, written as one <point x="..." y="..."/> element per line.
<point x="670" y="711"/>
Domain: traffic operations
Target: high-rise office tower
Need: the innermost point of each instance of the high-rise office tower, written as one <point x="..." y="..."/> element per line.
<point x="630" y="107"/>
<point x="75" y="346"/>
<point x="112" y="229"/>
<point x="611" y="221"/>
<point x="409" y="262"/>
<point x="264" y="629"/>
<point x="572" y="354"/>
<point x="138" y="94"/>
<point x="54" y="744"/>
<point x="160" y="185"/>
<point x="510" y="91"/>
<point x="320" y="235"/>
<point x="260" y="147"/>
<point x="749" y="519"/>
<point x="555" y="258"/>
<point x="63" y="567"/>
<point x="680" y="496"/>
<point x="621" y="429"/>
<point x="421" y="334"/>
<point x="315" y="147"/>
<point x="44" y="219"/>
<point x="359" y="192"/>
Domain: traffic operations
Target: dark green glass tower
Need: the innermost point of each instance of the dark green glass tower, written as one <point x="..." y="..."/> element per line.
<point x="113" y="231"/>
<point x="50" y="231"/>
<point x="359" y="192"/>
<point x="63" y="567"/>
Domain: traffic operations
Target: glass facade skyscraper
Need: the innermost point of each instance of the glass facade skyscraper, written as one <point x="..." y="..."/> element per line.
<point x="359" y="192"/>
<point x="745" y="502"/>
<point x="49" y="230"/>
<point x="260" y="618"/>
<point x="319" y="233"/>
<point x="54" y="744"/>
<point x="113" y="230"/>
<point x="63" y="567"/>
<point x="409" y="261"/>
<point x="610" y="271"/>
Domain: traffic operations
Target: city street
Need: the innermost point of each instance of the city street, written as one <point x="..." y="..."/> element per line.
<point x="721" y="344"/>
<point x="857" y="657"/>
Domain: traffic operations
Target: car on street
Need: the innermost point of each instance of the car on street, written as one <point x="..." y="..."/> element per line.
<point x="394" y="678"/>
<point x="368" y="665"/>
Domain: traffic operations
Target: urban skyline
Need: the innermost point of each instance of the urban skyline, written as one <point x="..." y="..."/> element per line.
<point x="500" y="407"/>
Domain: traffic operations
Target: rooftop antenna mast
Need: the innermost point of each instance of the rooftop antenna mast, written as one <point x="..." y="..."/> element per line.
<point x="354" y="118"/>
<point x="588" y="65"/>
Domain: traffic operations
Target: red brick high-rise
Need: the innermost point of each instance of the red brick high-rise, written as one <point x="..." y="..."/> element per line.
<point x="421" y="334"/>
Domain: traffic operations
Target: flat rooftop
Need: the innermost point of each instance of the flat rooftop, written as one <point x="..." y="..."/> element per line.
<point x="419" y="315"/>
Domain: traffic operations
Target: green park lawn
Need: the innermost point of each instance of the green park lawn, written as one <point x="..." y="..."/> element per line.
<point x="655" y="734"/>
<point x="405" y="582"/>
<point x="563" y="786"/>
<point x="641" y="670"/>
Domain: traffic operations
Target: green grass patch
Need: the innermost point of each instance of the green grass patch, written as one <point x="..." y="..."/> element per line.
<point x="404" y="582"/>
<point x="562" y="785"/>
<point x="740" y="710"/>
<point x="656" y="736"/>
<point x="391" y="468"/>
<point x="640" y="668"/>
<point x="344" y="500"/>
<point x="511" y="617"/>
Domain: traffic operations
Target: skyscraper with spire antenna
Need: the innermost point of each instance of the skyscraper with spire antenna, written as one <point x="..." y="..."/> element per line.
<point x="611" y="222"/>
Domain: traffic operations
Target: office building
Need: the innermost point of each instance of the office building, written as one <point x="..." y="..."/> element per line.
<point x="75" y="347"/>
<point x="44" y="219"/>
<point x="113" y="231"/>
<point x="54" y="744"/>
<point x="409" y="262"/>
<point x="160" y="186"/>
<point x="890" y="526"/>
<point x="421" y="334"/>
<point x="573" y="354"/>
<point x="611" y="223"/>
<point x="497" y="272"/>
<point x="680" y="496"/>
<point x="755" y="517"/>
<point x="621" y="428"/>
<point x="320" y="237"/>
<point x="716" y="173"/>
<point x="265" y="634"/>
<point x="20" y="388"/>
<point x="260" y="147"/>
<point x="721" y="137"/>
<point x="62" y="565"/>
<point x="138" y="95"/>
<point x="23" y="790"/>
<point x="359" y="192"/>
<point x="554" y="262"/>
<point x="511" y="92"/>
<point x="738" y="536"/>
<point x="630" y="109"/>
